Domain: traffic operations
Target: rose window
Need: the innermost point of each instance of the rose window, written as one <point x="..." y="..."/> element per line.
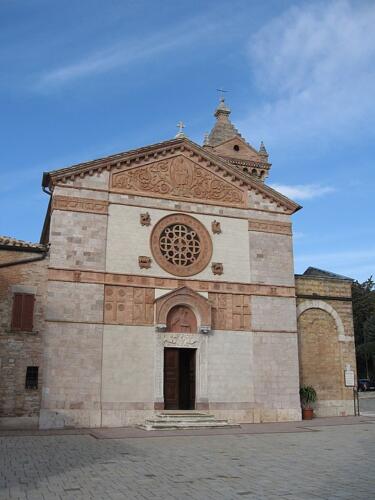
<point x="181" y="245"/>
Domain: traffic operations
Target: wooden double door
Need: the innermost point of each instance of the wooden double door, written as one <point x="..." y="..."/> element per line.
<point x="179" y="378"/>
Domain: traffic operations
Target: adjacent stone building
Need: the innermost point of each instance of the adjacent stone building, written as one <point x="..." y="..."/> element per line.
<point x="326" y="343"/>
<point x="170" y="285"/>
<point x="23" y="280"/>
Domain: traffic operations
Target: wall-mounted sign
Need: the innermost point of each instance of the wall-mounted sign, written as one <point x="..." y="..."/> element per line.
<point x="349" y="376"/>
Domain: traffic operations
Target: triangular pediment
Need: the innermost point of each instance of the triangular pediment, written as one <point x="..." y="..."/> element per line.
<point x="237" y="148"/>
<point x="176" y="169"/>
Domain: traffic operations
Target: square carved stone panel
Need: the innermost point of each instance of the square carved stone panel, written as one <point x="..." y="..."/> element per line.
<point x="230" y="311"/>
<point x="127" y="305"/>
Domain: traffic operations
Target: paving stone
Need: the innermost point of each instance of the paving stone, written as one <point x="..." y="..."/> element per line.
<point x="334" y="462"/>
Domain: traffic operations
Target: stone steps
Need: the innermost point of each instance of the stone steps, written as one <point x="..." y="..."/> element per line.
<point x="170" y="420"/>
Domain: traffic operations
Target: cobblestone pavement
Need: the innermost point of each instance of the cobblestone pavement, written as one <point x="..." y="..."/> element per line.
<point x="325" y="462"/>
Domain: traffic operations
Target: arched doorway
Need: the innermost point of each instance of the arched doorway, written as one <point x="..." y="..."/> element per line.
<point x="179" y="363"/>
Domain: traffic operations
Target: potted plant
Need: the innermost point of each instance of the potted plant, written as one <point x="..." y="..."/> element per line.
<point x="308" y="397"/>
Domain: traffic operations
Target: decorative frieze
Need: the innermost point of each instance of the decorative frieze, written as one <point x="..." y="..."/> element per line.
<point x="128" y="305"/>
<point x="180" y="340"/>
<point x="178" y="177"/>
<point x="230" y="312"/>
<point x="277" y="227"/>
<point x="172" y="283"/>
<point x="73" y="204"/>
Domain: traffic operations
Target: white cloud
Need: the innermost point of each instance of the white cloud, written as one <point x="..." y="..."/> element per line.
<point x="302" y="191"/>
<point x="315" y="65"/>
<point x="127" y="52"/>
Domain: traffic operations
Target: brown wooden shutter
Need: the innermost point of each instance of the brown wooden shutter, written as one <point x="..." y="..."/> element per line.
<point x="23" y="312"/>
<point x="27" y="312"/>
<point x="17" y="311"/>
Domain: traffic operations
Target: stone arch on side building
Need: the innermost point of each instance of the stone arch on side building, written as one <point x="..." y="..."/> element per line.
<point x="320" y="304"/>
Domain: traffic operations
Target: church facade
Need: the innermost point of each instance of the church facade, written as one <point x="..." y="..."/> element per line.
<point x="168" y="284"/>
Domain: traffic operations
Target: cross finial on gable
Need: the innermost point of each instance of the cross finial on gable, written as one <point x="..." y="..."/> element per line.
<point x="180" y="126"/>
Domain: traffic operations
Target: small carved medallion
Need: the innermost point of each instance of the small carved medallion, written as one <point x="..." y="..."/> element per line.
<point x="217" y="268"/>
<point x="144" y="262"/>
<point x="145" y="219"/>
<point x="216" y="228"/>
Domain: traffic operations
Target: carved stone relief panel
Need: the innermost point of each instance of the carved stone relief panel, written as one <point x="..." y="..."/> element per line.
<point x="181" y="319"/>
<point x="127" y="305"/>
<point x="73" y="204"/>
<point x="179" y="178"/>
<point x="181" y="340"/>
<point x="217" y="268"/>
<point x="230" y="311"/>
<point x="216" y="227"/>
<point x="277" y="227"/>
<point x="144" y="262"/>
<point x="145" y="219"/>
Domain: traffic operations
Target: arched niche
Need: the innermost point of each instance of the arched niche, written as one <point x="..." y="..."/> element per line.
<point x="181" y="319"/>
<point x="184" y="297"/>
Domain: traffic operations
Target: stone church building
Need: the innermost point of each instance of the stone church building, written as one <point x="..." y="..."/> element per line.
<point x="164" y="280"/>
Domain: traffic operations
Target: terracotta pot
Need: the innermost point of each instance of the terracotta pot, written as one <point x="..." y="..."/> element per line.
<point x="307" y="413"/>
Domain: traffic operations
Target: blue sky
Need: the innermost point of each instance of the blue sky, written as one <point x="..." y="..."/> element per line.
<point x="81" y="80"/>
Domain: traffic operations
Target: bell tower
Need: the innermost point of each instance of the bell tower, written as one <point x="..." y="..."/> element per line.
<point x="226" y="142"/>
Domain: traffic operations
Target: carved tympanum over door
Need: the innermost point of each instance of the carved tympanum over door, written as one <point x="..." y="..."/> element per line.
<point x="181" y="319"/>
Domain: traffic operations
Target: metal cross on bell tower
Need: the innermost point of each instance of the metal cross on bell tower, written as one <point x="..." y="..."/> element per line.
<point x="222" y="93"/>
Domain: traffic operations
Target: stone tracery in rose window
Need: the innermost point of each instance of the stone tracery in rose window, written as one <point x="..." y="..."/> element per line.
<point x="180" y="244"/>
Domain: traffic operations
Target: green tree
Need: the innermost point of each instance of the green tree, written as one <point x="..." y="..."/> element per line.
<point x="364" y="326"/>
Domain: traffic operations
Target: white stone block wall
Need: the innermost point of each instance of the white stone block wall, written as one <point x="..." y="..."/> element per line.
<point x="128" y="365"/>
<point x="271" y="258"/>
<point x="127" y="240"/>
<point x="72" y="375"/>
<point x="276" y="379"/>
<point x="78" y="240"/>
<point x="230" y="367"/>
<point x="82" y="302"/>
<point x="273" y="313"/>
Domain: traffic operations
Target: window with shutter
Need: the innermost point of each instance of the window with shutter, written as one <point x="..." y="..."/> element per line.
<point x="23" y="312"/>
